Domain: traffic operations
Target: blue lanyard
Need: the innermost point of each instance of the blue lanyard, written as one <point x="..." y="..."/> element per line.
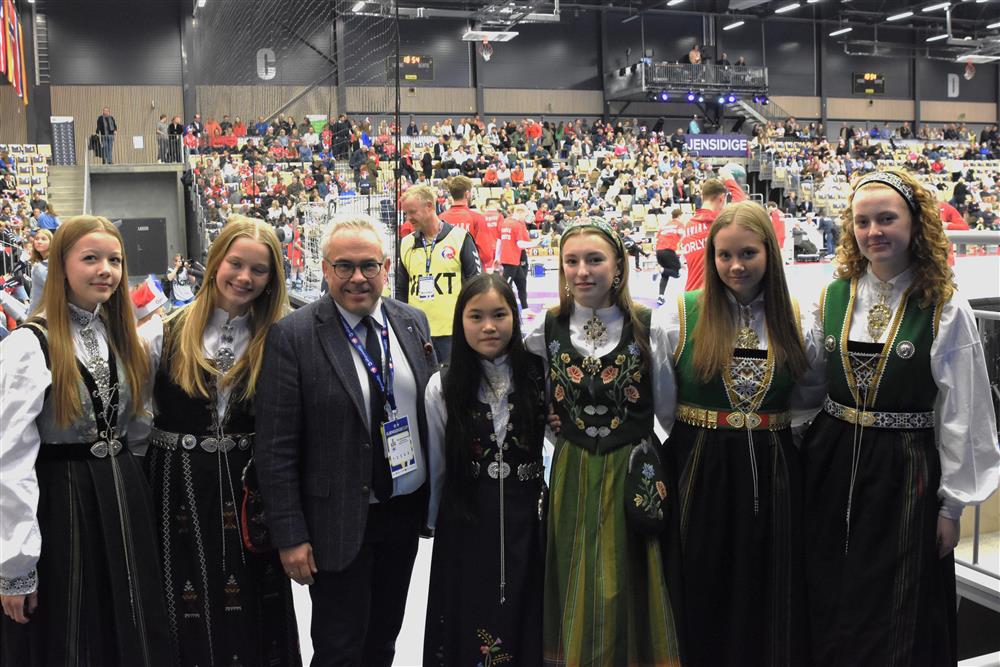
<point x="369" y="363"/>
<point x="428" y="254"/>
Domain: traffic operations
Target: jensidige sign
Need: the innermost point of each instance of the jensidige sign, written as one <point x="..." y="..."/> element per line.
<point x="717" y="145"/>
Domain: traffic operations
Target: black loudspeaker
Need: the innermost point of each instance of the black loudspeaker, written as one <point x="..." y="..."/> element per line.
<point x="738" y="124"/>
<point x="659" y="125"/>
<point x="145" y="245"/>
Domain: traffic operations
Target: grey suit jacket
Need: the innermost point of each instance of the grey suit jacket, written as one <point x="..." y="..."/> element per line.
<point x="313" y="447"/>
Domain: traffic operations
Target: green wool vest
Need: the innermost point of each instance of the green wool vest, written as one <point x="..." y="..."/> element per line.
<point x="902" y="379"/>
<point x="714" y="395"/>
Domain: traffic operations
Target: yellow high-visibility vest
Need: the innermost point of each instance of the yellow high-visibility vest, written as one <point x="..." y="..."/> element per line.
<point x="445" y="265"/>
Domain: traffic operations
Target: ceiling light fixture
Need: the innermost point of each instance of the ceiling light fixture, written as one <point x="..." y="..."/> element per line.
<point x="993" y="25"/>
<point x="937" y="37"/>
<point x="786" y="8"/>
<point x="900" y="16"/>
<point x="732" y="26"/>
<point x="671" y="3"/>
<point x="841" y="31"/>
<point x="934" y="8"/>
<point x="358" y="6"/>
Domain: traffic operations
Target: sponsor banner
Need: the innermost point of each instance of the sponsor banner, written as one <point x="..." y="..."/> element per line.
<point x="717" y="145"/>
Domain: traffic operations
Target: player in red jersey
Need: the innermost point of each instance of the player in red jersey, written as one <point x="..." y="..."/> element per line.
<point x="714" y="192"/>
<point x="460" y="215"/>
<point x="668" y="235"/>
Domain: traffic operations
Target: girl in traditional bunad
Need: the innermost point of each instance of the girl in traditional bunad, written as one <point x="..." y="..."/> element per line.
<point x="906" y="438"/>
<point x="486" y="423"/>
<point x="79" y="572"/>
<point x="606" y="601"/>
<point x="737" y="352"/>
<point x="226" y="605"/>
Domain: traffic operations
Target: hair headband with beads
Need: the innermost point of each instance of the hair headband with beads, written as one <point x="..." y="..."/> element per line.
<point x="599" y="225"/>
<point x="896" y="183"/>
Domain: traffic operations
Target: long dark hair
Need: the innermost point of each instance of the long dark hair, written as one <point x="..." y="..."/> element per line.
<point x="460" y="386"/>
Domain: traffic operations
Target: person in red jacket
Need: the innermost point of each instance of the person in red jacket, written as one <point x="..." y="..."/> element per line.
<point x="778" y="222"/>
<point x="714" y="192"/>
<point x="953" y="221"/>
<point x="668" y="235"/>
<point x="951" y="218"/>
<point x="460" y="215"/>
<point x="493" y="218"/>
<point x="514" y="239"/>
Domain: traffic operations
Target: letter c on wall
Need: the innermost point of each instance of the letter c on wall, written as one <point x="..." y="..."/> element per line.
<point x="266" y="64"/>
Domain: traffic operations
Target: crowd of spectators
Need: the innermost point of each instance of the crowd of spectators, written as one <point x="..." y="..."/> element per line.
<point x="27" y="221"/>
<point x="625" y="170"/>
<point x="817" y="172"/>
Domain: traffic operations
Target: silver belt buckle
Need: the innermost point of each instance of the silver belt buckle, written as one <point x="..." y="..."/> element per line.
<point x="210" y="445"/>
<point x="244" y="444"/>
<point x="189" y="441"/>
<point x="99" y="449"/>
<point x="227" y="444"/>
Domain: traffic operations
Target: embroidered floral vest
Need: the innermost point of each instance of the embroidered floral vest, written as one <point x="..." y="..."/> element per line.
<point x="901" y="379"/>
<point x="610" y="408"/>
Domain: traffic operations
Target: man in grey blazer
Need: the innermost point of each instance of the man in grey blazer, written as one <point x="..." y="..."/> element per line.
<point x="344" y="507"/>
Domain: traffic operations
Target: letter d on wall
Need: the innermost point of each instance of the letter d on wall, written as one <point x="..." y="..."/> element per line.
<point x="953" y="85"/>
<point x="266" y="64"/>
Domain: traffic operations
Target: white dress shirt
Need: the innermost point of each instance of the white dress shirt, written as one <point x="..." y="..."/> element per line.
<point x="437" y="420"/>
<point x="24" y="379"/>
<point x="965" y="424"/>
<point x="404" y="388"/>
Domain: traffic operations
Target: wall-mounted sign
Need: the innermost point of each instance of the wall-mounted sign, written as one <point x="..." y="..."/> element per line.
<point x="868" y="83"/>
<point x="717" y="145"/>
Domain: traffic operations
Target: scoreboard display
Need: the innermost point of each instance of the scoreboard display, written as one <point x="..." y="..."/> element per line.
<point x="411" y="68"/>
<point x="868" y="83"/>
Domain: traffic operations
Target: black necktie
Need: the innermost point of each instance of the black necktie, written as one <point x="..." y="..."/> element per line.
<point x="381" y="480"/>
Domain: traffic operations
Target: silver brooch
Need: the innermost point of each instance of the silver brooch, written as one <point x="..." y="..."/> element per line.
<point x="905" y="349"/>
<point x="830" y="343"/>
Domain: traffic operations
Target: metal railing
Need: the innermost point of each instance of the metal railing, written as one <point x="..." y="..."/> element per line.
<point x="86" y="183"/>
<point x="716" y="77"/>
<point x="124" y="150"/>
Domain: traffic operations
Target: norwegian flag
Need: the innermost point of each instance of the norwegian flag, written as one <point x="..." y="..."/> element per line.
<point x="12" y="49"/>
<point x="3" y="36"/>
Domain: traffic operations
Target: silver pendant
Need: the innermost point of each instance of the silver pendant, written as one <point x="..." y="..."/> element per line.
<point x="905" y="349"/>
<point x="224" y="359"/>
<point x="830" y="343"/>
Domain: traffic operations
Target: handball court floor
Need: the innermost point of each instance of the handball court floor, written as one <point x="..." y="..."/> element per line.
<point x="977" y="277"/>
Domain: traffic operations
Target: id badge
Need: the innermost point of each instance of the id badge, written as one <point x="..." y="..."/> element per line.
<point x="425" y="287"/>
<point x="399" y="446"/>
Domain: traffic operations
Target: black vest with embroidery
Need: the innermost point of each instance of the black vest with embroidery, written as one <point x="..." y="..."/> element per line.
<point x="178" y="412"/>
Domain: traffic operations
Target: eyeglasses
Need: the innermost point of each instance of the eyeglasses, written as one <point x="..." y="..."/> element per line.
<point x="345" y="270"/>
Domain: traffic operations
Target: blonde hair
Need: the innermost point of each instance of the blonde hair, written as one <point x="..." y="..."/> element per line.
<point x="35" y="255"/>
<point x="116" y="313"/>
<point x="934" y="281"/>
<point x="619" y="295"/>
<point x="715" y="330"/>
<point x="423" y="193"/>
<point x="186" y="358"/>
